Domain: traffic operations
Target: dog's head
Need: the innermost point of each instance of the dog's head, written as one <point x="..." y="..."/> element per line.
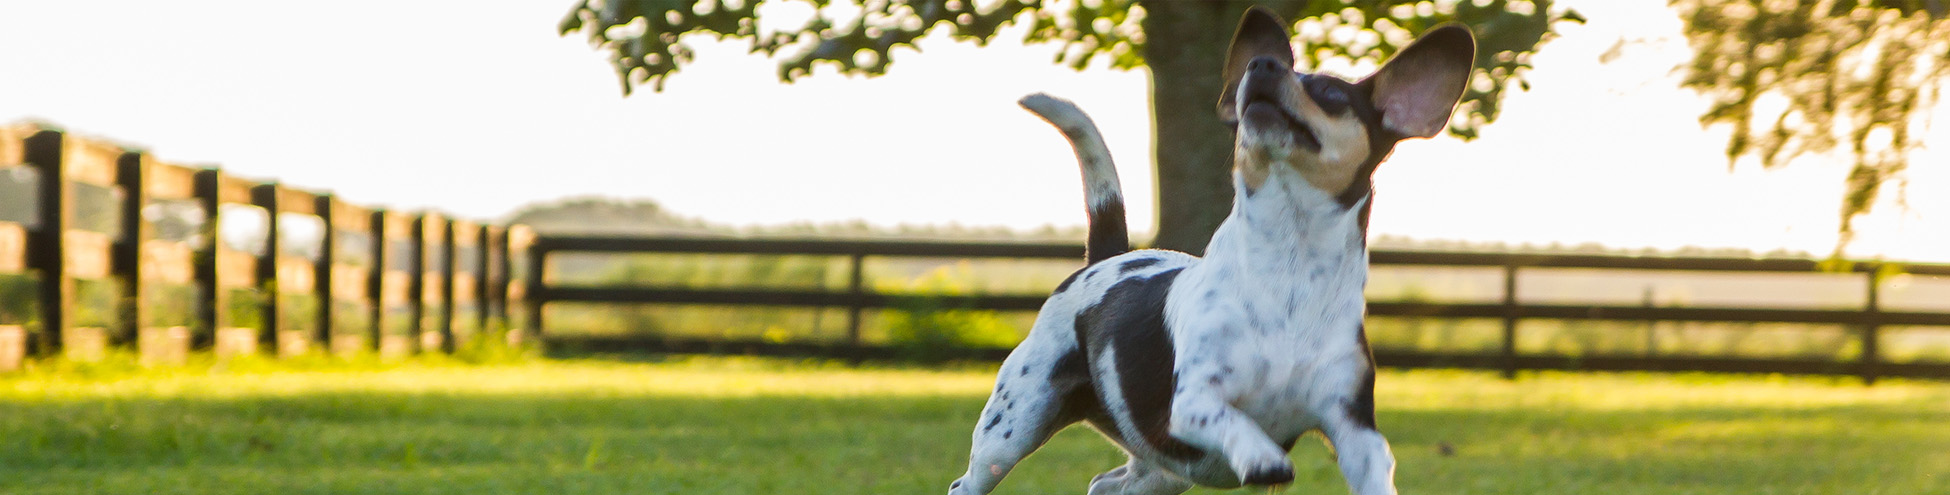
<point x="1328" y="131"/>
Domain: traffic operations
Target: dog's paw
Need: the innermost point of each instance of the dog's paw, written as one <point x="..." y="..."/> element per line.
<point x="1109" y="483"/>
<point x="1263" y="467"/>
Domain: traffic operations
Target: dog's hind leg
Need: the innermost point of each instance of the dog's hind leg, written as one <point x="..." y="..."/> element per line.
<point x="1138" y="478"/>
<point x="1037" y="392"/>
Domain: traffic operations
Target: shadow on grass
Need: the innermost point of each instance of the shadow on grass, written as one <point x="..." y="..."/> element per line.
<point x="560" y="443"/>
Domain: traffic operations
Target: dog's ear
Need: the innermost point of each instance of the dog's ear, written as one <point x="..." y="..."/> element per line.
<point x="1417" y="90"/>
<point x="1261" y="33"/>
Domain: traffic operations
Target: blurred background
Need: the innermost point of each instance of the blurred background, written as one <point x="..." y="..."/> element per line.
<point x="431" y="213"/>
<point x="1606" y="146"/>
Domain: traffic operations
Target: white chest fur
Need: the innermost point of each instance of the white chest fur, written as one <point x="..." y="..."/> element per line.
<point x="1272" y="315"/>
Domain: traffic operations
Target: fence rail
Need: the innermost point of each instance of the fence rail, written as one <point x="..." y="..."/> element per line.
<point x="104" y="247"/>
<point x="1867" y="320"/>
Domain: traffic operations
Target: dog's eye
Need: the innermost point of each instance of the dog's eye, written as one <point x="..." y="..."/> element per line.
<point x="1331" y="98"/>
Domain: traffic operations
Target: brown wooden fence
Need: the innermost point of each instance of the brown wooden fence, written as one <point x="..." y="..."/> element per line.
<point x="103" y="248"/>
<point x="1865" y="321"/>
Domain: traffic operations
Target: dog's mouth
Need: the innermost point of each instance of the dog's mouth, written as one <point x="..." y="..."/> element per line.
<point x="1263" y="114"/>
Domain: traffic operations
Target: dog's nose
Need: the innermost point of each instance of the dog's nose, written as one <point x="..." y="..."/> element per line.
<point x="1265" y="64"/>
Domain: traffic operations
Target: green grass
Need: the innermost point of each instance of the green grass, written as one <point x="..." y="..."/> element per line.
<point x="738" y="426"/>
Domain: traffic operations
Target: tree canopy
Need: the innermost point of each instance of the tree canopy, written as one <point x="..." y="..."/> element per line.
<point x="1793" y="78"/>
<point x="644" y="37"/>
<point x="1181" y="42"/>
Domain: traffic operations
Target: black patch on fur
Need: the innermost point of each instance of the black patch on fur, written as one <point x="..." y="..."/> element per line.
<point x="1070" y="376"/>
<point x="992" y="422"/>
<point x="1066" y="282"/>
<point x="1108" y="236"/>
<point x="1361" y="407"/>
<point x="1070" y="366"/>
<point x="1136" y="264"/>
<point x="1271" y="476"/>
<point x="1130" y="320"/>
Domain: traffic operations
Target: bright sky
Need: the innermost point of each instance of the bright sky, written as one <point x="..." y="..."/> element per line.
<point x="476" y="108"/>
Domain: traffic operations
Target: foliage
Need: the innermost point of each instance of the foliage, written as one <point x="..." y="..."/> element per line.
<point x="926" y="324"/>
<point x="19" y="297"/>
<point x="1803" y="77"/>
<point x="920" y="317"/>
<point x="713" y="271"/>
<point x="244" y="308"/>
<point x="98" y="303"/>
<point x="170" y="305"/>
<point x="297" y="311"/>
<point x="644" y="38"/>
<point x="735" y="426"/>
<point x="19" y="197"/>
<point x="596" y="215"/>
<point x="397" y="321"/>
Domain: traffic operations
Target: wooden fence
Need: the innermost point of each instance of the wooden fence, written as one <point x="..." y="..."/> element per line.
<point x="102" y="247"/>
<point x="1866" y="321"/>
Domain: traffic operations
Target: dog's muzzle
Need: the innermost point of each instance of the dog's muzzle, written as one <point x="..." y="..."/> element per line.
<point x="1262" y="108"/>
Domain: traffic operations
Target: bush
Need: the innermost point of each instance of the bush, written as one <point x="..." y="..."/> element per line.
<point x="18" y="295"/>
<point x="929" y="325"/>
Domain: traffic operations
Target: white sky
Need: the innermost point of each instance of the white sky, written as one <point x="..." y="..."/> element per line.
<point x="476" y="108"/>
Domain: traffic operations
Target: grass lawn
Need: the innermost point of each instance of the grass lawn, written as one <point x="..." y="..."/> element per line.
<point x="742" y="426"/>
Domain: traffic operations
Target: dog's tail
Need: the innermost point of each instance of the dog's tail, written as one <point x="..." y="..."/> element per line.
<point x="1103" y="197"/>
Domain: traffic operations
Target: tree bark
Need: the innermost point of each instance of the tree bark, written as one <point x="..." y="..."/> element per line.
<point x="1191" y="148"/>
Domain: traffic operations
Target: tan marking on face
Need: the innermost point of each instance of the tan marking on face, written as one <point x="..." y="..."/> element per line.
<point x="1343" y="145"/>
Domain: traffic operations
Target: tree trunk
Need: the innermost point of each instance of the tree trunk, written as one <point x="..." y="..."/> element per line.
<point x="1185" y="47"/>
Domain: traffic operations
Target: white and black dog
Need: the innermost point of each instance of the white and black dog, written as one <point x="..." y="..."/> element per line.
<point x="1206" y="371"/>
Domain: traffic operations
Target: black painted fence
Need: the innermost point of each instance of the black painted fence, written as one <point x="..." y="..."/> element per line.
<point x="1866" y="320"/>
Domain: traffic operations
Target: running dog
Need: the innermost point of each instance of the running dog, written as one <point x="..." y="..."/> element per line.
<point x="1207" y="370"/>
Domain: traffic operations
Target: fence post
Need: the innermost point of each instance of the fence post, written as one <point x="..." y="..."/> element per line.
<point x="376" y="281"/>
<point x="46" y="251"/>
<point x="1510" y="315"/>
<point x="855" y="288"/>
<point x="494" y="270"/>
<point x="532" y="293"/>
<point x="416" y="284"/>
<point x="449" y="267"/>
<point x="125" y="260"/>
<point x="483" y="272"/>
<point x="322" y="205"/>
<point x="1871" y="327"/>
<point x="205" y="185"/>
<point x="272" y="325"/>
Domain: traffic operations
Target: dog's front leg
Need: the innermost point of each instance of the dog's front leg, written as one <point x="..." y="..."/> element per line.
<point x="1205" y="420"/>
<point x="1363" y="453"/>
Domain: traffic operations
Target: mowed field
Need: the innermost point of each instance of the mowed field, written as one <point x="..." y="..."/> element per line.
<point x="745" y="426"/>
